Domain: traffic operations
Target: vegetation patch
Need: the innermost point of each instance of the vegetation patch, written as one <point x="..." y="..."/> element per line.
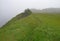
<point x="35" y="27"/>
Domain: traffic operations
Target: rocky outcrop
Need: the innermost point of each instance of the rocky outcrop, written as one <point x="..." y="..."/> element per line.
<point x="26" y="13"/>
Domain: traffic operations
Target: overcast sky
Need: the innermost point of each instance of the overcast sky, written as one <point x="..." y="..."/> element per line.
<point x="10" y="8"/>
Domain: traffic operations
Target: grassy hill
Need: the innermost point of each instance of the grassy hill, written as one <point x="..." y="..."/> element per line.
<point x="35" y="27"/>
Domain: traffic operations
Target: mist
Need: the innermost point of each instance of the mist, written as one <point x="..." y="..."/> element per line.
<point x="10" y="8"/>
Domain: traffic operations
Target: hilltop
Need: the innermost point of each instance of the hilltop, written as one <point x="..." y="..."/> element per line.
<point x="29" y="26"/>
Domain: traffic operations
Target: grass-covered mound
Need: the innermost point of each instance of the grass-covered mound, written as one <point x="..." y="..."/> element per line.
<point x="35" y="27"/>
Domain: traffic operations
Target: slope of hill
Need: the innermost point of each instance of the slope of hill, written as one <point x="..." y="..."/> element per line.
<point x="35" y="27"/>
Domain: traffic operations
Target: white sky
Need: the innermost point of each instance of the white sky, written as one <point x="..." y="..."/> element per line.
<point x="10" y="8"/>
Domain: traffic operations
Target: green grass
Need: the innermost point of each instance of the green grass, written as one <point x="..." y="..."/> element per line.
<point x="35" y="27"/>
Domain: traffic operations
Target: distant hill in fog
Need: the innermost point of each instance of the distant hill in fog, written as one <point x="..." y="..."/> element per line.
<point x="47" y="10"/>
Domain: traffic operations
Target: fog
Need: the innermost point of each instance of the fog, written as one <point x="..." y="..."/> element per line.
<point x="10" y="8"/>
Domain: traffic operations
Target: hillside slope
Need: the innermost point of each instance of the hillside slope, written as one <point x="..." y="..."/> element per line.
<point x="35" y="27"/>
